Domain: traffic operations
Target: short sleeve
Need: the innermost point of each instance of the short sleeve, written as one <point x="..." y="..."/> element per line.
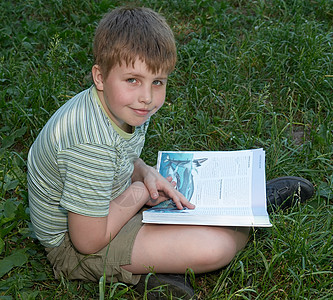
<point x="87" y="172"/>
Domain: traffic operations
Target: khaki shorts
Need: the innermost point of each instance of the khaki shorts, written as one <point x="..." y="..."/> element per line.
<point x="71" y="264"/>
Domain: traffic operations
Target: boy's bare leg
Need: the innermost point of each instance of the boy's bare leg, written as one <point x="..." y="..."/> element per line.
<point x="173" y="248"/>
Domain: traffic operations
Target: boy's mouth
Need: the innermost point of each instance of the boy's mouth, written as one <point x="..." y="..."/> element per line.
<point x="141" y="112"/>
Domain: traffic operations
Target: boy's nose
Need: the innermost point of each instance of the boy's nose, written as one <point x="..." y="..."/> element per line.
<point x="146" y="97"/>
<point x="146" y="100"/>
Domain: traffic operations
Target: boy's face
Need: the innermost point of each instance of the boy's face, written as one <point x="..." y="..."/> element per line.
<point x="130" y="94"/>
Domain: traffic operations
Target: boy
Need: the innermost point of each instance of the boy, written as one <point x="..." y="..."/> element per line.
<point x="87" y="183"/>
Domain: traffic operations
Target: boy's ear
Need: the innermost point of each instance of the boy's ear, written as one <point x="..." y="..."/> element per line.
<point x="97" y="77"/>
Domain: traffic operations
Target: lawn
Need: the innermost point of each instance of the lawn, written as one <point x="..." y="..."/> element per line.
<point x="250" y="74"/>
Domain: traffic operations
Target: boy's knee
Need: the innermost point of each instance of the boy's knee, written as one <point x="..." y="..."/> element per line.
<point x="219" y="248"/>
<point x="210" y="258"/>
<point x="222" y="254"/>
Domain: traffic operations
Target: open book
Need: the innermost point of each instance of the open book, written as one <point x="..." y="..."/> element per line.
<point x="227" y="187"/>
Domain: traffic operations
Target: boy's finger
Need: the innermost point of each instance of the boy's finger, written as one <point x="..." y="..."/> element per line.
<point x="188" y="204"/>
<point x="181" y="201"/>
<point x="152" y="191"/>
<point x="178" y="203"/>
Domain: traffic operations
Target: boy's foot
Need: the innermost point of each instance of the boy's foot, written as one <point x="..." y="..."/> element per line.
<point x="161" y="286"/>
<point x="283" y="192"/>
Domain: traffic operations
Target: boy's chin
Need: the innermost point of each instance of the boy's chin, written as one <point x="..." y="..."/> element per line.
<point x="137" y="123"/>
<point x="132" y="125"/>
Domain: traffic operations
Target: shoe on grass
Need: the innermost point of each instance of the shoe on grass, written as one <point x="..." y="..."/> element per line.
<point x="162" y="286"/>
<point x="284" y="192"/>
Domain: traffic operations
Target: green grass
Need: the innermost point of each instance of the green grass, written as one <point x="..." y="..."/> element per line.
<point x="250" y="74"/>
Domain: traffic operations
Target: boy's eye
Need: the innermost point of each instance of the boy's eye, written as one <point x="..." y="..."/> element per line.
<point x="131" y="80"/>
<point x="157" y="82"/>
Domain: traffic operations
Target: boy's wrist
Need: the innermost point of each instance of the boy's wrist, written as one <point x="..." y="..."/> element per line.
<point x="140" y="170"/>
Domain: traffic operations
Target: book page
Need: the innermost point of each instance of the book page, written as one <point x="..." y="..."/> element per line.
<point x="211" y="179"/>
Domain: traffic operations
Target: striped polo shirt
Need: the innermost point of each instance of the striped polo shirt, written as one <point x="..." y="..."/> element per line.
<point x="79" y="162"/>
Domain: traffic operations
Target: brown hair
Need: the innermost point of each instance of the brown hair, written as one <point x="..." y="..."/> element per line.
<point x="125" y="34"/>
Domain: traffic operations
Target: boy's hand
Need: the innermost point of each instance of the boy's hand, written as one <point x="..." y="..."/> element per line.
<point x="160" y="188"/>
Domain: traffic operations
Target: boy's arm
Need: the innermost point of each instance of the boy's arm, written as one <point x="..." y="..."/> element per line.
<point x="157" y="185"/>
<point x="90" y="234"/>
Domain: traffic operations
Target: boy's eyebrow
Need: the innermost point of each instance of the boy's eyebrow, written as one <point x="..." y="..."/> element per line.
<point x="161" y="78"/>
<point x="165" y="77"/>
